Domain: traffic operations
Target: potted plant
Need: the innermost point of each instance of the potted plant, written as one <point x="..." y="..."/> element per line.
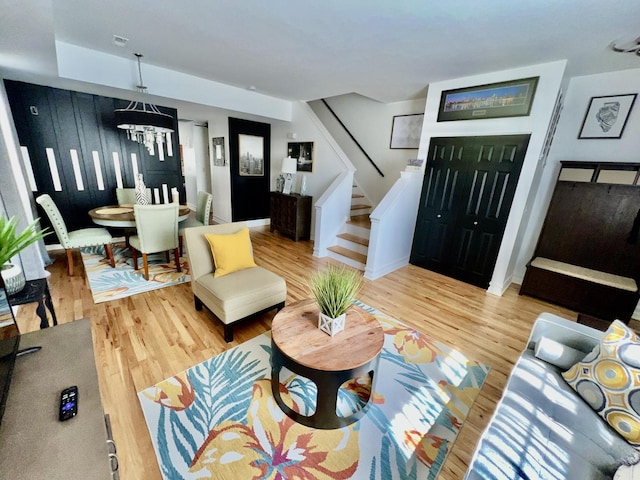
<point x="333" y="290"/>
<point x="11" y="243"/>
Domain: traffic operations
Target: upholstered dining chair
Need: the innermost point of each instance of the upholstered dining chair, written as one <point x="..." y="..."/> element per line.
<point x="157" y="231"/>
<point x="84" y="237"/>
<point x="202" y="217"/>
<point x="127" y="196"/>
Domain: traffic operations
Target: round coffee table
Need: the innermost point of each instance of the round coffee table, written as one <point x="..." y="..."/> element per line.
<point x="299" y="345"/>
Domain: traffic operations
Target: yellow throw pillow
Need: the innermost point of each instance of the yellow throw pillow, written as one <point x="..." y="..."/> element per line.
<point x="231" y="252"/>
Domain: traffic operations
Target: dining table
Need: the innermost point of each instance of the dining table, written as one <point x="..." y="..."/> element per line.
<point x="121" y="216"/>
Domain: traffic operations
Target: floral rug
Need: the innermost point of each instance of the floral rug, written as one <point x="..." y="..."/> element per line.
<point x="219" y="420"/>
<point x="112" y="283"/>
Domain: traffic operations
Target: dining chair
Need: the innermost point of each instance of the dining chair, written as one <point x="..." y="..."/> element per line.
<point x="202" y="217"/>
<point x="157" y="231"/>
<point x="83" y="237"/>
<point x="127" y="196"/>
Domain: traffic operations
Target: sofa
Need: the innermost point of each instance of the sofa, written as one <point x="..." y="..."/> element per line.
<point x="542" y="428"/>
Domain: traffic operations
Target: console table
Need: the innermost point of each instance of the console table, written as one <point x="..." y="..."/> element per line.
<point x="36" y="291"/>
<point x="300" y="346"/>
<point x="33" y="443"/>
<point x="291" y="215"/>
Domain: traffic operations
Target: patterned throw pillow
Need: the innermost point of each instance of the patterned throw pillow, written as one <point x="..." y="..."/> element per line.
<point x="608" y="379"/>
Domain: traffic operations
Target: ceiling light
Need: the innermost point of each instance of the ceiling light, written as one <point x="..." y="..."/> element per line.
<point x="632" y="46"/>
<point x="119" y="41"/>
<point x="143" y="121"/>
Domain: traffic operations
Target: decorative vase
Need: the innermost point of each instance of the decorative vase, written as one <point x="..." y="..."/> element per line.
<point x="330" y="325"/>
<point x="303" y="185"/>
<point x="141" y="191"/>
<point x="13" y="278"/>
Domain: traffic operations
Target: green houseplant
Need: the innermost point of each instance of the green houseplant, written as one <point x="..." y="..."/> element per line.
<point x="12" y="243"/>
<point x="333" y="290"/>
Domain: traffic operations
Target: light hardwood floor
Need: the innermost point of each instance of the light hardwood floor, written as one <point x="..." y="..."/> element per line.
<point x="145" y="338"/>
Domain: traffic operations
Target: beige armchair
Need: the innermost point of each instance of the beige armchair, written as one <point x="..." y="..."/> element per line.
<point x="157" y="227"/>
<point x="83" y="237"/>
<point x="236" y="296"/>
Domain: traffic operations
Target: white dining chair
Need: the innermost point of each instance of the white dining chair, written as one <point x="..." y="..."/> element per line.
<point x="127" y="196"/>
<point x="157" y="231"/>
<point x="202" y="216"/>
<point x="83" y="237"/>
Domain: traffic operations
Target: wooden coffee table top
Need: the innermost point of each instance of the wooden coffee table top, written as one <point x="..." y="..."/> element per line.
<point x="295" y="331"/>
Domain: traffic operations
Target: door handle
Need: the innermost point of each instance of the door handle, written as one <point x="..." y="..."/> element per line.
<point x="475" y="223"/>
<point x="438" y="216"/>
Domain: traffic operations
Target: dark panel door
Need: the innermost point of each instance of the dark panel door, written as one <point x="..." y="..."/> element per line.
<point x="249" y="147"/>
<point x="468" y="233"/>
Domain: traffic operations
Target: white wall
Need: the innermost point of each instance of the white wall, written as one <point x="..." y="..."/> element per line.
<point x="370" y="123"/>
<point x="536" y="124"/>
<point x="567" y="146"/>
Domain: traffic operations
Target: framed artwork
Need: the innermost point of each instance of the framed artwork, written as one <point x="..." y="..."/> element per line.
<point x="219" y="159"/>
<point x="406" y="131"/>
<point x="251" y="155"/>
<point x="494" y="100"/>
<point x="303" y="151"/>
<point x="607" y="116"/>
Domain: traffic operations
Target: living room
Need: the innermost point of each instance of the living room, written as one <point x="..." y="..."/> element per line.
<point x="140" y="341"/>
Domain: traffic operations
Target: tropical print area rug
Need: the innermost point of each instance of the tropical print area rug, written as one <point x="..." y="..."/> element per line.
<point x="112" y="283"/>
<point x="219" y="420"/>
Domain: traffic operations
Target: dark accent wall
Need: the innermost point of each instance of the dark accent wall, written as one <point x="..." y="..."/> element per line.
<point x="63" y="120"/>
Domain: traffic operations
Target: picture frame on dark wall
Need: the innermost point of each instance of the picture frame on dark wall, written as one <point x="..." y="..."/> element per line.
<point x="219" y="159"/>
<point x="303" y="152"/>
<point x="513" y="98"/>
<point x="406" y="131"/>
<point x="251" y="155"/>
<point x="606" y="116"/>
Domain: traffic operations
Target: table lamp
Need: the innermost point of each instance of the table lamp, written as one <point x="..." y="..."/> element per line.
<point x="289" y="165"/>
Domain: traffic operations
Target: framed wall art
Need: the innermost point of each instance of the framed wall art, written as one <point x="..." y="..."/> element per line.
<point x="303" y="152"/>
<point x="219" y="159"/>
<point x="494" y="100"/>
<point x="251" y="158"/>
<point x="607" y="116"/>
<point x="406" y="131"/>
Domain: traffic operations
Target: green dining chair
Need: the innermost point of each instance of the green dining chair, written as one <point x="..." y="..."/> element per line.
<point x="157" y="231"/>
<point x="83" y="237"/>
<point x="127" y="196"/>
<point x="202" y="217"/>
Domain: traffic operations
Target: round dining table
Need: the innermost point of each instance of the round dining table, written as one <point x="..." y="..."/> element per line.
<point x="122" y="215"/>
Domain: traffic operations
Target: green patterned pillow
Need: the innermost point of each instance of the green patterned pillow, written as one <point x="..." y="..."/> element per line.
<point x="608" y="379"/>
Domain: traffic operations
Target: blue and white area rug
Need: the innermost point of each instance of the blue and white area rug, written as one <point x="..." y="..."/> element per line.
<point x="219" y="420"/>
<point x="112" y="283"/>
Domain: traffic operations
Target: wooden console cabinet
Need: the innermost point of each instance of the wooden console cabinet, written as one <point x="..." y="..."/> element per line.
<point x="291" y="215"/>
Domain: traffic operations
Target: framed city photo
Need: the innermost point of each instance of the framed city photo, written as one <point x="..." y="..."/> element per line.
<point x="494" y="100"/>
<point x="607" y="116"/>
<point x="251" y="158"/>
<point x="406" y="131"/>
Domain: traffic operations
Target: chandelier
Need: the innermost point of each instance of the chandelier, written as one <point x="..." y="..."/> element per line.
<point x="143" y="121"/>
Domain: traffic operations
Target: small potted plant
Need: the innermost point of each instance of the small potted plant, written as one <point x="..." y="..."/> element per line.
<point x="333" y="289"/>
<point x="11" y="243"/>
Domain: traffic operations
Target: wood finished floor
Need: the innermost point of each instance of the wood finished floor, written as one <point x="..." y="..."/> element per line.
<point x="146" y="338"/>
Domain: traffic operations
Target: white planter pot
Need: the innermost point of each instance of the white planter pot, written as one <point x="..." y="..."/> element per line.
<point x="330" y="325"/>
<point x="13" y="277"/>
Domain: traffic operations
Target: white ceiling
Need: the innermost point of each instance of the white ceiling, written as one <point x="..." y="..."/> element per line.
<point x="310" y="49"/>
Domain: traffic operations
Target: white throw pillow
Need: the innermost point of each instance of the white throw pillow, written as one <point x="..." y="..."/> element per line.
<point x="628" y="472"/>
<point x="557" y="354"/>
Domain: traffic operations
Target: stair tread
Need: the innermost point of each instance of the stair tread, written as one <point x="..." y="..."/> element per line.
<point x="360" y="220"/>
<point x="357" y="195"/>
<point x="359" y="206"/>
<point x="354" y="238"/>
<point x="345" y="252"/>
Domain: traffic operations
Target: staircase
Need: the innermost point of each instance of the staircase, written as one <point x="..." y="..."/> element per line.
<point x="352" y="244"/>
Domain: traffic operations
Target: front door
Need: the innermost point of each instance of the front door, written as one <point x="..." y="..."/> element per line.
<point x="466" y="197"/>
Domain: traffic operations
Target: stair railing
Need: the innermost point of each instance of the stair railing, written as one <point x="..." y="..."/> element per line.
<point x="353" y="138"/>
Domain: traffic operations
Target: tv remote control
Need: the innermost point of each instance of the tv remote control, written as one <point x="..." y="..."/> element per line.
<point x="68" y="403"/>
